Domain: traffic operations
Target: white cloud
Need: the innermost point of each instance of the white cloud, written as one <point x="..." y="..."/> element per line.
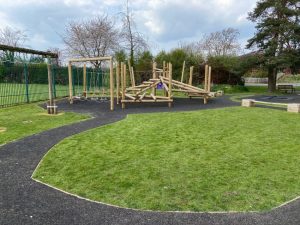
<point x="111" y="2"/>
<point x="165" y="22"/>
<point x="19" y="3"/>
<point x="6" y="21"/>
<point x="242" y="18"/>
<point x="79" y="2"/>
<point x="223" y="4"/>
<point x="39" y="39"/>
<point x="3" y="20"/>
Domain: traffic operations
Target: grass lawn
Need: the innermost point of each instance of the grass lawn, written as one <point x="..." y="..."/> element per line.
<point x="25" y="120"/>
<point x="290" y="79"/>
<point x="14" y="93"/>
<point x="211" y="160"/>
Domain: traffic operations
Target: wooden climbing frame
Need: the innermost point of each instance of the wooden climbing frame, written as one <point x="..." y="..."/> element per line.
<point x="147" y="90"/>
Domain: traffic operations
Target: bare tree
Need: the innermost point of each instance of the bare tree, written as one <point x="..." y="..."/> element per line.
<point x="96" y="37"/>
<point x="221" y="43"/>
<point x="134" y="41"/>
<point x="191" y="48"/>
<point x="61" y="57"/>
<point x="12" y="37"/>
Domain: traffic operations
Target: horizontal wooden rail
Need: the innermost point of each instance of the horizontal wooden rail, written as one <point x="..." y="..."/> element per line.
<point x="91" y="59"/>
<point x="28" y="51"/>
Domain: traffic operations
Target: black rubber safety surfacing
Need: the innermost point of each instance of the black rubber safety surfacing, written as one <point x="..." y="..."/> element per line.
<point x="24" y="201"/>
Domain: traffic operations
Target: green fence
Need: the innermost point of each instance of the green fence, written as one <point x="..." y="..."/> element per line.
<point x="28" y="82"/>
<point x="25" y="83"/>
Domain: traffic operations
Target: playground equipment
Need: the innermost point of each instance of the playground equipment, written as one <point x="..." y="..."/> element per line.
<point x="292" y="107"/>
<point x="147" y="91"/>
<point x="159" y="88"/>
<point x="92" y="83"/>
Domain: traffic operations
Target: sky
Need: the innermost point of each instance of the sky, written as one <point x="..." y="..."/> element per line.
<point x="165" y="23"/>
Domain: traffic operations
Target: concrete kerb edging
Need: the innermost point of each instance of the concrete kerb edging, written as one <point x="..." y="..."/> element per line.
<point x="291" y="107"/>
<point x="156" y="211"/>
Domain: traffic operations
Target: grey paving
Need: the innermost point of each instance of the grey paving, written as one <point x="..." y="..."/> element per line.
<point x="290" y="98"/>
<point x="24" y="201"/>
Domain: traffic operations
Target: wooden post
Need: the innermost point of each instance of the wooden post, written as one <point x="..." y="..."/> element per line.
<point x="164" y="69"/>
<point x="84" y="81"/>
<point x="123" y="66"/>
<point x="70" y="83"/>
<point x="51" y="108"/>
<point x="206" y="77"/>
<point x="118" y="81"/>
<point x="164" y="75"/>
<point x="205" y="100"/>
<point x="168" y="69"/>
<point x="191" y="75"/>
<point x="209" y="79"/>
<point x="154" y="77"/>
<point x="112" y="85"/>
<point x="182" y="73"/>
<point x="122" y="82"/>
<point x="125" y="76"/>
<point x="170" y="85"/>
<point x="50" y="90"/>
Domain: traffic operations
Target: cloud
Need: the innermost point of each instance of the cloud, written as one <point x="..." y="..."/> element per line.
<point x="165" y="22"/>
<point x="39" y="39"/>
<point x="5" y="21"/>
<point x="242" y="18"/>
<point x="169" y="21"/>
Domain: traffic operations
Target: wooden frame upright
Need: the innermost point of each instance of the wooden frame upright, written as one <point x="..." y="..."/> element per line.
<point x="84" y="60"/>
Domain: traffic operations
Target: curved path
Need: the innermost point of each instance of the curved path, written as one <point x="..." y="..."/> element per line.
<point x="24" y="201"/>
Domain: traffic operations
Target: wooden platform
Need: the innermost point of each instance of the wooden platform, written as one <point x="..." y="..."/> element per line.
<point x="145" y="93"/>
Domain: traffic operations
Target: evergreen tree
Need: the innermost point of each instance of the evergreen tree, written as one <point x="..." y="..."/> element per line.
<point x="120" y="56"/>
<point x="144" y="61"/>
<point x="177" y="56"/>
<point x="161" y="57"/>
<point x="277" y="36"/>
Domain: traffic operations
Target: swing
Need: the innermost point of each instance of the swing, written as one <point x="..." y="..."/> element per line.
<point x="79" y="95"/>
<point x="94" y="85"/>
<point x="97" y="85"/>
<point x="92" y="81"/>
<point x="78" y="90"/>
<point x="103" y="96"/>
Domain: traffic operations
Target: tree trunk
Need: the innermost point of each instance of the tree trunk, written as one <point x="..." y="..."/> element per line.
<point x="272" y="78"/>
<point x="132" y="57"/>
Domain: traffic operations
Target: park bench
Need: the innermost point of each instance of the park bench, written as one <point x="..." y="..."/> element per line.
<point x="286" y="88"/>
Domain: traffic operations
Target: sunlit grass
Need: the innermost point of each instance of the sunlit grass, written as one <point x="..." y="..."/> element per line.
<point x="236" y="158"/>
<point x="25" y="120"/>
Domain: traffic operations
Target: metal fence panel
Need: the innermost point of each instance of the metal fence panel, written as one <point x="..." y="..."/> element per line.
<point x="26" y="82"/>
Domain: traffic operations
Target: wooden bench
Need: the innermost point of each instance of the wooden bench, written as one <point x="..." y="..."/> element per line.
<point x="286" y="88"/>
